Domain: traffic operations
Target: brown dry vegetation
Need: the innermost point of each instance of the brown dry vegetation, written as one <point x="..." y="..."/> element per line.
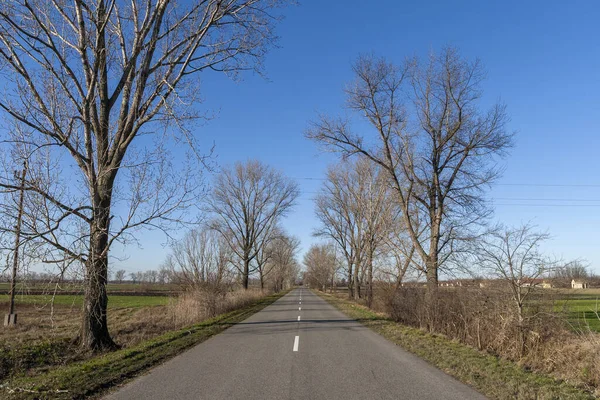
<point x="486" y="320"/>
<point x="199" y="305"/>
<point x="495" y="377"/>
<point x="43" y="339"/>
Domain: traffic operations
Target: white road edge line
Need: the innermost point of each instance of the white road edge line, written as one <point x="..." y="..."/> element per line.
<point x="296" y="343"/>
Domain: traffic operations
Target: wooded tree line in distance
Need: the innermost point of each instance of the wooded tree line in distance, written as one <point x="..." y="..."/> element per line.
<point x="408" y="195"/>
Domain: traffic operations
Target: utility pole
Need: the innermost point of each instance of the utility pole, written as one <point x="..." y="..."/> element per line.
<point x="11" y="318"/>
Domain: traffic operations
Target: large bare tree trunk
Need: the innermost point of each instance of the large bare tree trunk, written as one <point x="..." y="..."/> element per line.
<point x="356" y="283"/>
<point x="350" y="282"/>
<point x="432" y="260"/>
<point x="246" y="275"/>
<point x="432" y="273"/>
<point x="370" y="277"/>
<point x="94" y="333"/>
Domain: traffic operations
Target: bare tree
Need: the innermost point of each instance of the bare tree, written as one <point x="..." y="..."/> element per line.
<point x="356" y="212"/>
<point x="93" y="77"/>
<point x="399" y="250"/>
<point x="152" y="276"/>
<point x="431" y="140"/>
<point x="262" y="247"/>
<point x="341" y="221"/>
<point x="573" y="270"/>
<point x="513" y="255"/>
<point x="377" y="210"/>
<point x="201" y="259"/>
<point x="282" y="265"/>
<point x="164" y="275"/>
<point x="248" y="201"/>
<point x="320" y="262"/>
<point x="120" y="275"/>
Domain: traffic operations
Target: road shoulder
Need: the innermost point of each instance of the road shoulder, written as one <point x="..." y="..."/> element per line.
<point x="92" y="378"/>
<point x="491" y="376"/>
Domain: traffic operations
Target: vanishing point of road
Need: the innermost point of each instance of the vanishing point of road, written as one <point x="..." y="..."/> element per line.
<point x="299" y="347"/>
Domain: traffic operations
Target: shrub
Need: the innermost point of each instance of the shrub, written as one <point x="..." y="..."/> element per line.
<point x="488" y="321"/>
<point x="207" y="301"/>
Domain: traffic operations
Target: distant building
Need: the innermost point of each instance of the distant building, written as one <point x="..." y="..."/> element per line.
<point x="530" y="282"/>
<point x="449" y="283"/>
<point x="579" y="284"/>
<point x="547" y="285"/>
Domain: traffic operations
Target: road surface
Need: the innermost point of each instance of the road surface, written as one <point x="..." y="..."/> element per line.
<point x="300" y="347"/>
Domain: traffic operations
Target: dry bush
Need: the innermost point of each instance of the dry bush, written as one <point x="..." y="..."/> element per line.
<point x="570" y="356"/>
<point x="383" y="294"/>
<point x="206" y="302"/>
<point x="487" y="320"/>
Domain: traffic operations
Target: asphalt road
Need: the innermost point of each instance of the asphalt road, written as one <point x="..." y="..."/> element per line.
<point x="300" y="347"/>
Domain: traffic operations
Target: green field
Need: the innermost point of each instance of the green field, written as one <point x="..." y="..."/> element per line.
<point x="114" y="301"/>
<point x="111" y="287"/>
<point x="583" y="308"/>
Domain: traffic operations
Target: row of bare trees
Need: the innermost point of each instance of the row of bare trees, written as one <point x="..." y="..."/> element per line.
<point x="243" y="237"/>
<point x="98" y="96"/>
<point x="321" y="264"/>
<point x="407" y="199"/>
<point x="247" y="203"/>
<point x="412" y="186"/>
<point x="153" y="276"/>
<point x="356" y="214"/>
<point x="203" y="260"/>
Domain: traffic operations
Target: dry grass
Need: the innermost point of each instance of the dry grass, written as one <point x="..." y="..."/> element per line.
<point x="41" y="340"/>
<point x="487" y="321"/>
<point x="90" y="377"/>
<point x="198" y="305"/>
<point x="44" y="337"/>
<point x="495" y="377"/>
<point x="572" y="357"/>
<point x="128" y="325"/>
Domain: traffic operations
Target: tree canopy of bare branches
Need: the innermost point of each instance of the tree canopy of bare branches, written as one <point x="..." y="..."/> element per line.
<point x="356" y="213"/>
<point x="248" y="201"/>
<point x="282" y="266"/>
<point x="321" y="263"/>
<point x="200" y="260"/>
<point x="428" y="134"/>
<point x="576" y="269"/>
<point x="95" y="88"/>
<point x="120" y="275"/>
<point x="514" y="256"/>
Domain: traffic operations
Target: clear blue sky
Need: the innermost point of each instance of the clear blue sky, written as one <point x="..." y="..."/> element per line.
<point x="543" y="61"/>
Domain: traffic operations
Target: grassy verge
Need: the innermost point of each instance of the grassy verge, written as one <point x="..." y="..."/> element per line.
<point x="491" y="376"/>
<point x="91" y="377"/>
